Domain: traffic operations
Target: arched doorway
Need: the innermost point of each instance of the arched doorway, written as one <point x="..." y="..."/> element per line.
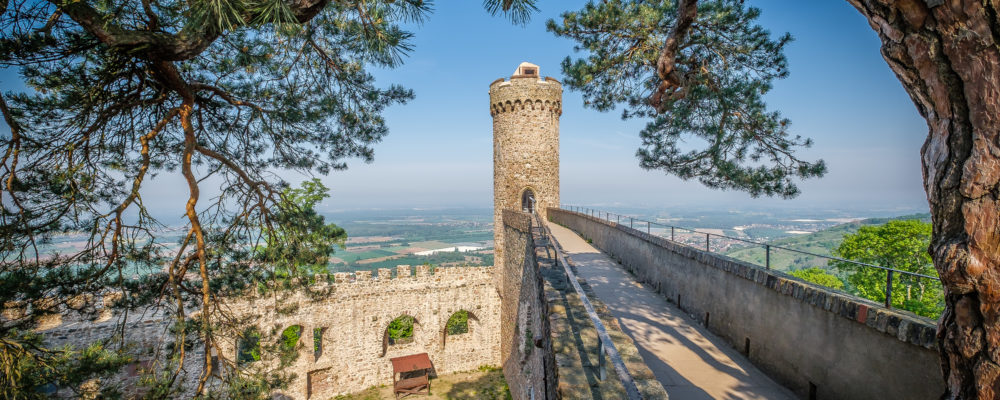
<point x="528" y="201"/>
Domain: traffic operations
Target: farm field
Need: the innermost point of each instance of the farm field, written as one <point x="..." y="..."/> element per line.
<point x="385" y="239"/>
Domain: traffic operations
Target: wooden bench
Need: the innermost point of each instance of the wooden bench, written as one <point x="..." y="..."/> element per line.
<point x="416" y="365"/>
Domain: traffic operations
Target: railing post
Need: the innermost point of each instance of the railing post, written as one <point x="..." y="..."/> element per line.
<point x="672" y="234"/>
<point x="888" y="290"/>
<point x="630" y="221"/>
<point x="708" y="248"/>
<point x="647" y="228"/>
<point x="767" y="256"/>
<point x="619" y="218"/>
<point x="602" y="372"/>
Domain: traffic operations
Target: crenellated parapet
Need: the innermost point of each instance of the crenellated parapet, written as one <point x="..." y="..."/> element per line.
<point x="526" y="94"/>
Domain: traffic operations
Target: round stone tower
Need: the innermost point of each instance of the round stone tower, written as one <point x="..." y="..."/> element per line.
<point x="525" y="112"/>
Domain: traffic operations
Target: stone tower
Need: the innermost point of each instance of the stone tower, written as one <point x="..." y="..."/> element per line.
<point x="525" y="112"/>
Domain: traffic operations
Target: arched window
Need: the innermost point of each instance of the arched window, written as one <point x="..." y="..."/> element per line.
<point x="528" y="201"/>
<point x="290" y="337"/>
<point x="458" y="323"/>
<point x="248" y="347"/>
<point x="400" y="331"/>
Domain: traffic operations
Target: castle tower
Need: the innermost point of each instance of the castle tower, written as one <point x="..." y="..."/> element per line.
<point x="525" y="112"/>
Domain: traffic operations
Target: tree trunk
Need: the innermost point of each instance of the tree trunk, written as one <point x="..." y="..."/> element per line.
<point x="945" y="52"/>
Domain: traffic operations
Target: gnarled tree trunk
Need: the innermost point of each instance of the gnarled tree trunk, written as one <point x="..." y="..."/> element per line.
<point x="946" y="54"/>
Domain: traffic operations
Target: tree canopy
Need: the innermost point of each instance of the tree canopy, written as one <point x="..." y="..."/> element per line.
<point x="712" y="92"/>
<point x="225" y="93"/>
<point x="900" y="245"/>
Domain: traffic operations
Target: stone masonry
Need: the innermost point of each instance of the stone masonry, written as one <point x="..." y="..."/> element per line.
<point x="352" y="314"/>
<point x="526" y="111"/>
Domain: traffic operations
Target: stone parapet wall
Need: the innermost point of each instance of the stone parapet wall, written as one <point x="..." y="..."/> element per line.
<point x="353" y="313"/>
<point x="811" y="339"/>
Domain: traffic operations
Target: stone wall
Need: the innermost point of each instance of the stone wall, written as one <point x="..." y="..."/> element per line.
<point x="526" y="348"/>
<point x="525" y="114"/>
<point x="814" y="341"/>
<point x="353" y="314"/>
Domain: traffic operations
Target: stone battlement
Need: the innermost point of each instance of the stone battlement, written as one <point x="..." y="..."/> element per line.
<point x="526" y="93"/>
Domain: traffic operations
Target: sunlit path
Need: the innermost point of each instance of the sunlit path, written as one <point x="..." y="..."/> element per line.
<point x="689" y="361"/>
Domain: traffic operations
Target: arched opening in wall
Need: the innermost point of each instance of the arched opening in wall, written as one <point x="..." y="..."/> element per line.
<point x="288" y="342"/>
<point x="248" y="347"/>
<point x="398" y="332"/>
<point x="458" y="323"/>
<point x="528" y="201"/>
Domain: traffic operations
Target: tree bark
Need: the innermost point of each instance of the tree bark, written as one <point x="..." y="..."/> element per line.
<point x="946" y="55"/>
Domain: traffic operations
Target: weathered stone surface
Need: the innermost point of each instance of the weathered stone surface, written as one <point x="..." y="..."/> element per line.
<point x="525" y="112"/>
<point x="353" y="316"/>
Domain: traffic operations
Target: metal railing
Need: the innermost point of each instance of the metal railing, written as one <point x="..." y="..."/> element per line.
<point x="604" y="343"/>
<point x="633" y="221"/>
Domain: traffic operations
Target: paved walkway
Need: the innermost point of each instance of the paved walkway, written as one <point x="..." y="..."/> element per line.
<point x="690" y="361"/>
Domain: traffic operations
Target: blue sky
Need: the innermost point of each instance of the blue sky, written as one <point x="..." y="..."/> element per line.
<point x="841" y="93"/>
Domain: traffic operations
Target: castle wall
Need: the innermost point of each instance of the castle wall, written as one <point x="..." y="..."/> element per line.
<point x="353" y="313"/>
<point x="809" y="338"/>
<point x="525" y="114"/>
<point x="526" y="349"/>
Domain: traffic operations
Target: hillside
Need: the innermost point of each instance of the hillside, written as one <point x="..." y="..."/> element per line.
<point x="822" y="242"/>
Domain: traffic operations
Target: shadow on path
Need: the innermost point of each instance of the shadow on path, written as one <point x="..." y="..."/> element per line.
<point x="688" y="360"/>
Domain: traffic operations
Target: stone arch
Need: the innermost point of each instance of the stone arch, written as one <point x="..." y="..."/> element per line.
<point x="415" y="323"/>
<point x="508" y="106"/>
<point x="539" y="105"/>
<point x="529" y="199"/>
<point x="471" y="324"/>
<point x="518" y="105"/>
<point x="290" y="337"/>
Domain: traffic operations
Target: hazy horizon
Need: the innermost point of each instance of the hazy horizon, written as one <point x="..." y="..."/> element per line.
<point x="438" y="153"/>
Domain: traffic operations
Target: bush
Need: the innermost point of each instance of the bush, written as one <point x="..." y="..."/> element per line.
<point x="401" y="330"/>
<point x="458" y="323"/>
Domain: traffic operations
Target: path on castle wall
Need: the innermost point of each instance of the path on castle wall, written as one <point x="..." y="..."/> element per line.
<point x="688" y="360"/>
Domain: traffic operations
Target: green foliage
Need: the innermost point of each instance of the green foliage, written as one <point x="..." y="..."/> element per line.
<point x="519" y="11"/>
<point x="901" y="245"/>
<point x="724" y="67"/>
<point x="458" y="323"/>
<point x="249" y="349"/>
<point x="26" y="375"/>
<point x="301" y="241"/>
<point x="290" y="337"/>
<point x="317" y="342"/>
<point x="400" y="330"/>
<point x="820" y="277"/>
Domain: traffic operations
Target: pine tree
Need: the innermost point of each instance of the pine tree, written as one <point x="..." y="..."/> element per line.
<point x="225" y="92"/>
